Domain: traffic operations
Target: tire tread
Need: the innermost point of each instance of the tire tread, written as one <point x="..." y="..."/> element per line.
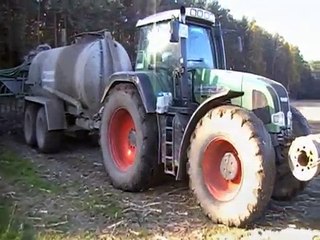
<point x="264" y="190"/>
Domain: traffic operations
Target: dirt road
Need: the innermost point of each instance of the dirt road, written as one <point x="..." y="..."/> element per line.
<point x="310" y="109"/>
<point x="69" y="193"/>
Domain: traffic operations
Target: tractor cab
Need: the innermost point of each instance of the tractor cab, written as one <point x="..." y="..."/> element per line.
<point x="159" y="42"/>
<point x="183" y="53"/>
<point x="181" y="43"/>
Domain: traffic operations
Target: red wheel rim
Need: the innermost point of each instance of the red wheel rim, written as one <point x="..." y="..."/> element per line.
<point x="122" y="139"/>
<point x="220" y="187"/>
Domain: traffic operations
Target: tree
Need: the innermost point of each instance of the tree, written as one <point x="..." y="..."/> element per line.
<point x="25" y="24"/>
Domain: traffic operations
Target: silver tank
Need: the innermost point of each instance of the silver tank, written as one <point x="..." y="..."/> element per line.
<point x="82" y="69"/>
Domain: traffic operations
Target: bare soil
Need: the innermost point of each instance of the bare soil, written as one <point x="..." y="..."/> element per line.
<point x="84" y="201"/>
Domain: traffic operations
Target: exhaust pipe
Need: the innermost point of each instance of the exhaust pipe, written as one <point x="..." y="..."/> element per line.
<point x="304" y="157"/>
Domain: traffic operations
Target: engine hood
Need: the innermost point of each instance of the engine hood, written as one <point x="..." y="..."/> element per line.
<point x="259" y="91"/>
<point x="238" y="81"/>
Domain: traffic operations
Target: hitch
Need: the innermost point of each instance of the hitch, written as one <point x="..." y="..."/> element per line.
<point x="304" y="157"/>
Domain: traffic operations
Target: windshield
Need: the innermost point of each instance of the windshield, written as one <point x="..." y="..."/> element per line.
<point x="156" y="51"/>
<point x="199" y="48"/>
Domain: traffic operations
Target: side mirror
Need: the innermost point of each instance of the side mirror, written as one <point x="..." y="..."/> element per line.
<point x="239" y="38"/>
<point x="175" y="31"/>
<point x="240" y="44"/>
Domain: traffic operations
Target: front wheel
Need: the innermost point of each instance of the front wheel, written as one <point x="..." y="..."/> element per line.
<point x="231" y="165"/>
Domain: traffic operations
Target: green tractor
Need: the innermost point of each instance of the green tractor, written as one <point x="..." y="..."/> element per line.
<point x="228" y="132"/>
<point x="179" y="112"/>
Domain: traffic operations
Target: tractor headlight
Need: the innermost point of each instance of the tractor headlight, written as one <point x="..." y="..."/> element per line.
<point x="278" y="119"/>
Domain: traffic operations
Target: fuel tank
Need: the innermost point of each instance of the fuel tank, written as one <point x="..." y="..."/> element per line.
<point x="80" y="70"/>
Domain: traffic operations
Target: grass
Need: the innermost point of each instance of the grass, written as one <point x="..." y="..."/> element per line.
<point x="12" y="226"/>
<point x="15" y="227"/>
<point x="22" y="171"/>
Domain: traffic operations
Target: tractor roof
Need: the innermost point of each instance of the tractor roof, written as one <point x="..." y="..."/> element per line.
<point x="196" y="13"/>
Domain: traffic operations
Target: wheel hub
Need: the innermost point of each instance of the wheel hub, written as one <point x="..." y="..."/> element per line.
<point x="222" y="169"/>
<point x="122" y="139"/>
<point x="132" y="138"/>
<point x="229" y="166"/>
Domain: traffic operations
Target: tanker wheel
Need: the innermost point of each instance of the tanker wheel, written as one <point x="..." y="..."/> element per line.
<point x="287" y="186"/>
<point x="47" y="141"/>
<point x="129" y="140"/>
<point x="29" y="128"/>
<point x="231" y="165"/>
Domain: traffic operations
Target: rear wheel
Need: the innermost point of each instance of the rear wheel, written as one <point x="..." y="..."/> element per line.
<point x="47" y="141"/>
<point x="29" y="128"/>
<point x="231" y="165"/>
<point x="129" y="140"/>
<point x="287" y="186"/>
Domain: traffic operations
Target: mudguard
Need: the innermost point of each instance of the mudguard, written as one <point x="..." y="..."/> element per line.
<point x="54" y="109"/>
<point x="142" y="83"/>
<point x="214" y="101"/>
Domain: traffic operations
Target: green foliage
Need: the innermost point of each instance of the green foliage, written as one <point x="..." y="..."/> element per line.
<point x="25" y="24"/>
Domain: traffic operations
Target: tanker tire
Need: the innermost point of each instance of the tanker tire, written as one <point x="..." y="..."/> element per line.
<point x="29" y="128"/>
<point x="255" y="153"/>
<point x="287" y="186"/>
<point x="144" y="171"/>
<point x="47" y="141"/>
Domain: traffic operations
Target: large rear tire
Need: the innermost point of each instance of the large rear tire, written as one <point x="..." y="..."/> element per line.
<point x="47" y="141"/>
<point x="29" y="126"/>
<point x="129" y="140"/>
<point x="231" y="165"/>
<point x="287" y="186"/>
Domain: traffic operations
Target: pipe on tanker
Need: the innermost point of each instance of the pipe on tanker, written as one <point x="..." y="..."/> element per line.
<point x="304" y="157"/>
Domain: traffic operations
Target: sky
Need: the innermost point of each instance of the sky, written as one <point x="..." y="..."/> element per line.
<point x="297" y="21"/>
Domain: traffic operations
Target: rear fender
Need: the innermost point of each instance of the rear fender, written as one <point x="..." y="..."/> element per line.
<point x="54" y="109"/>
<point x="141" y="82"/>
<point x="214" y="101"/>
